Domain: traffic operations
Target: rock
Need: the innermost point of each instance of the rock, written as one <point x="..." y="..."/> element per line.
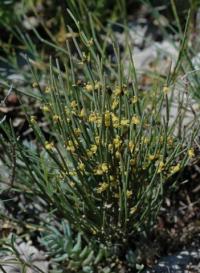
<point x="30" y="255"/>
<point x="187" y="261"/>
<point x="183" y="107"/>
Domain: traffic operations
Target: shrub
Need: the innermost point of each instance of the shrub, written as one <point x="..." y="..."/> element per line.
<point x="110" y="150"/>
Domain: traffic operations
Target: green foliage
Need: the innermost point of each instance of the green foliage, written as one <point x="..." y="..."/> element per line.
<point x="107" y="159"/>
<point x="72" y="253"/>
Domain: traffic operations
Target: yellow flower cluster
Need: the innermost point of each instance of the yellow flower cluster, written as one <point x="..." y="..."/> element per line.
<point x="33" y="119"/>
<point x="49" y="145"/>
<point x="101" y="169"/>
<point x="115" y="103"/>
<point x="35" y="84"/>
<point x="131" y="146"/>
<point x="73" y="105"/>
<point x="175" y="169"/>
<point x="134" y="99"/>
<point x="117" y="91"/>
<point x="89" y="87"/>
<point x="152" y="157"/>
<point x="161" y="166"/>
<point x="81" y="166"/>
<point x="95" y="117"/>
<point x="93" y="148"/>
<point x="56" y="118"/>
<point x="92" y="151"/>
<point x="191" y="153"/>
<point x="45" y="108"/>
<point x="166" y="90"/>
<point x="47" y="90"/>
<point x="102" y="187"/>
<point x="135" y="120"/>
<point x="71" y="146"/>
<point x="82" y="113"/>
<point x="115" y="121"/>
<point x="77" y="132"/>
<point x="117" y="142"/>
<point x="124" y="122"/>
<point x="129" y="193"/>
<point x="133" y="210"/>
<point x="107" y="118"/>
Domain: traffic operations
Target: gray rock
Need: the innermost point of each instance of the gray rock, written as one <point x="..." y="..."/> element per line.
<point x="182" y="262"/>
<point x="30" y="255"/>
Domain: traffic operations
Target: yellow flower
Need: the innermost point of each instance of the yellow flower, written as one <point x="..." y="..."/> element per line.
<point x="134" y="99"/>
<point x="131" y="146"/>
<point x="47" y="90"/>
<point x="49" y="145"/>
<point x="93" y="230"/>
<point x="117" y="91"/>
<point x="56" y="118"/>
<point x="152" y="157"/>
<point x="97" y="85"/>
<point x="117" y="154"/>
<point x="175" y="169"/>
<point x="101" y="169"/>
<point x="82" y="113"/>
<point x="107" y="118"/>
<point x="111" y="178"/>
<point x="124" y="122"/>
<point x="115" y="104"/>
<point x="73" y="173"/>
<point x="77" y="131"/>
<point x="132" y="162"/>
<point x="86" y="57"/>
<point x="104" y="167"/>
<point x="135" y="120"/>
<point x="145" y="140"/>
<point x="81" y="166"/>
<point x="72" y="184"/>
<point x="95" y="118"/>
<point x="97" y="140"/>
<point x="170" y="140"/>
<point x="70" y="146"/>
<point x="89" y="87"/>
<point x="33" y="119"/>
<point x="191" y="153"/>
<point x="98" y="171"/>
<point x="161" y="166"/>
<point x="93" y="148"/>
<point x="102" y="187"/>
<point x="128" y="193"/>
<point x="89" y="153"/>
<point x="166" y="90"/>
<point x="117" y="142"/>
<point x="133" y="210"/>
<point x="90" y="42"/>
<point x="45" y="108"/>
<point x="110" y="147"/>
<point x="92" y="117"/>
<point x="73" y="105"/>
<point x="115" y="121"/>
<point x="35" y="84"/>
